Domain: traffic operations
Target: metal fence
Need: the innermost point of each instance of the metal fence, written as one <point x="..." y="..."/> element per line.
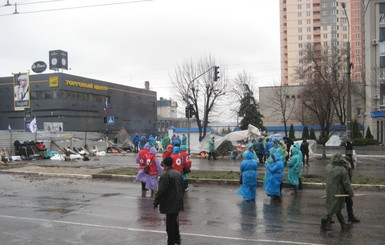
<point x="63" y="139"/>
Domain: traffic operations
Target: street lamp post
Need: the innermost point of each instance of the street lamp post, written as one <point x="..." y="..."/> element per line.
<point x="348" y="83"/>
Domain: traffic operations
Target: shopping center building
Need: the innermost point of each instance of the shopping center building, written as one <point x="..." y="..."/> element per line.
<point x="64" y="102"/>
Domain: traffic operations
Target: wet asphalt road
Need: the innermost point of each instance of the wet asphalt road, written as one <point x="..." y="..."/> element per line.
<point x="67" y="211"/>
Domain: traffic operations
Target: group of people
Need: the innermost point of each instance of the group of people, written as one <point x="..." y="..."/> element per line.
<point x="275" y="160"/>
<point x="338" y="176"/>
<point x="159" y="143"/>
<point x="173" y="170"/>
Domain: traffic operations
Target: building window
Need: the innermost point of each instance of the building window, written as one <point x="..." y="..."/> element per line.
<point x="300" y="38"/>
<point x="335" y="28"/>
<point x="357" y="4"/>
<point x="382" y="34"/>
<point x="325" y="28"/>
<point x="358" y="59"/>
<point x="308" y="6"/>
<point x="382" y="8"/>
<point x="299" y="22"/>
<point x="382" y="61"/>
<point x="357" y="20"/>
<point x="300" y="45"/>
<point x="345" y="36"/>
<point x="344" y="21"/>
<point x="308" y="22"/>
<point x="357" y="35"/>
<point x="357" y="28"/>
<point x="324" y="12"/>
<point x="324" y="5"/>
<point x="299" y="6"/>
<point x="345" y="28"/>
<point x="299" y="30"/>
<point x="299" y="14"/>
<point x="358" y="44"/>
<point x="308" y="29"/>
<point x="358" y="51"/>
<point x="308" y="37"/>
<point x="357" y="12"/>
<point x="326" y="44"/>
<point x="325" y="35"/>
<point x="308" y="13"/>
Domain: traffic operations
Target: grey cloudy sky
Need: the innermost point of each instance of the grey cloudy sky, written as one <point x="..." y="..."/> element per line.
<point x="142" y="40"/>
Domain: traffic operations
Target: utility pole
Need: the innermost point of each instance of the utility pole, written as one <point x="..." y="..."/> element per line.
<point x="348" y="83"/>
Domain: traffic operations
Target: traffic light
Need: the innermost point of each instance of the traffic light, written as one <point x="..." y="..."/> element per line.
<point x="216" y="73"/>
<point x="192" y="111"/>
<point x="189" y="110"/>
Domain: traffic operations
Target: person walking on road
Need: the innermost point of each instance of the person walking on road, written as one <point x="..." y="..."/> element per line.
<point x="349" y="199"/>
<point x="211" y="149"/>
<point x="151" y="178"/>
<point x="337" y="182"/>
<point x="248" y="168"/>
<point x="170" y="200"/>
<point x="141" y="160"/>
<point x="295" y="169"/>
<point x="349" y="152"/>
<point x="274" y="176"/>
<point x="305" y="152"/>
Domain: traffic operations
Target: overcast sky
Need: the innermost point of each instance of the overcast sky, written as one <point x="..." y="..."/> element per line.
<point x="142" y="40"/>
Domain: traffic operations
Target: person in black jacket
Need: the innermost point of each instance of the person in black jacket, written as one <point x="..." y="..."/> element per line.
<point x="305" y="152"/>
<point x="170" y="199"/>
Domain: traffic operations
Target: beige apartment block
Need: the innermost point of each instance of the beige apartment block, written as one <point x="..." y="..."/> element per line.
<point x="324" y="23"/>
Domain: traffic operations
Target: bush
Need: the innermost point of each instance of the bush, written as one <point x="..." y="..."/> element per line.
<point x="305" y="133"/>
<point x="363" y="141"/>
<point x="368" y="134"/>
<point x="312" y="134"/>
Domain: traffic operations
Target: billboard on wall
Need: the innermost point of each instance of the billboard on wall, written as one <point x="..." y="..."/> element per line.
<point x="21" y="91"/>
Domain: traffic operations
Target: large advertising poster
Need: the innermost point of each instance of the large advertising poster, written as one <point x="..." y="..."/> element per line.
<point x="21" y="91"/>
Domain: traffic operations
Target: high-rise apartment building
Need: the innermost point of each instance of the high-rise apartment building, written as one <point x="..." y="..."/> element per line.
<point x="320" y="22"/>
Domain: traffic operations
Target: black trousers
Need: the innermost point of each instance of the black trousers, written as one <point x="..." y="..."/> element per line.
<point x="349" y="206"/>
<point x="172" y="228"/>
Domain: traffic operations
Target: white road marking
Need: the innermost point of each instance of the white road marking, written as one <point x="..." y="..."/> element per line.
<point x="156" y="231"/>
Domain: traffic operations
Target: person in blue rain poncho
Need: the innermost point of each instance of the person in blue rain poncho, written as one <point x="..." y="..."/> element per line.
<point x="151" y="140"/>
<point x="275" y="176"/>
<point x="295" y="169"/>
<point x="249" y="168"/>
<point x="250" y="148"/>
<point x="142" y="142"/>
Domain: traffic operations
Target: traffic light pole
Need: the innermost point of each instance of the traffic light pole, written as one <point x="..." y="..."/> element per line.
<point x="215" y="78"/>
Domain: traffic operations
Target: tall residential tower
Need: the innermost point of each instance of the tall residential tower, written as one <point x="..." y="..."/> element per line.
<point x="320" y="22"/>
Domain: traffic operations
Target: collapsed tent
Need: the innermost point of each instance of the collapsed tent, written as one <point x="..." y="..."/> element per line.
<point x="229" y="141"/>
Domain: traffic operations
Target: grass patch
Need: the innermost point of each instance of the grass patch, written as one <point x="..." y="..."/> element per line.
<point x="121" y="171"/>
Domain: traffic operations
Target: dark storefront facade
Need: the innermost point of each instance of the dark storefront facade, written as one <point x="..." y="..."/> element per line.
<point x="63" y="102"/>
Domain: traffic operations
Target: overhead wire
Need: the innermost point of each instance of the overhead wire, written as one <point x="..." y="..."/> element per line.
<point x="75" y="7"/>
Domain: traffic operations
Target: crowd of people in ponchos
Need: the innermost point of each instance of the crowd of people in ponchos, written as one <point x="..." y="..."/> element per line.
<point x="150" y="166"/>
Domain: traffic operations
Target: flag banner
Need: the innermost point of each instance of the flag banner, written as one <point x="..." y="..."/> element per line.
<point x="33" y="126"/>
<point x="9" y="128"/>
<point x="106" y="107"/>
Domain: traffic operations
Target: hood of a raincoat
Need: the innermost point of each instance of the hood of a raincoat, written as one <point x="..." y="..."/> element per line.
<point x="294" y="150"/>
<point x="212" y="136"/>
<point x="338" y="159"/>
<point x="147" y="146"/>
<point x="183" y="148"/>
<point x="169" y="146"/>
<point x="250" y="145"/>
<point x="249" y="155"/>
<point x="176" y="150"/>
<point x="153" y="150"/>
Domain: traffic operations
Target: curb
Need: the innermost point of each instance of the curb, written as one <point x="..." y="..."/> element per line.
<point x="132" y="178"/>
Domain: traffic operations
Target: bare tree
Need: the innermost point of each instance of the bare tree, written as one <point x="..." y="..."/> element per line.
<point x="324" y="92"/>
<point x="326" y="64"/>
<point x="282" y="104"/>
<point x="194" y="84"/>
<point x="241" y="85"/>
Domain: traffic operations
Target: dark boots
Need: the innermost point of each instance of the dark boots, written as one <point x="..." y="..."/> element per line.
<point x="325" y="224"/>
<point x="353" y="219"/>
<point x="341" y="219"/>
